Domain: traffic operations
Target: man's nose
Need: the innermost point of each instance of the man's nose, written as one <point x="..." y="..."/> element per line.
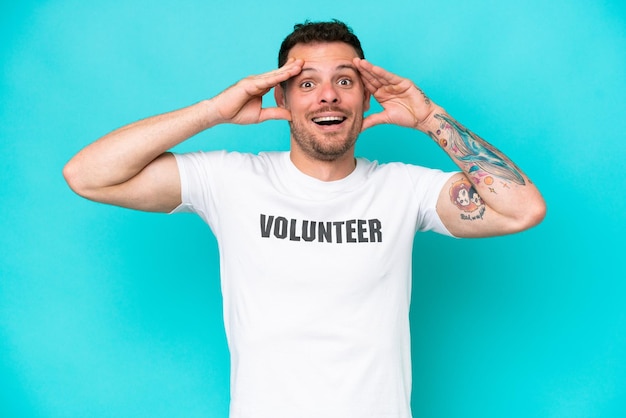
<point x="329" y="93"/>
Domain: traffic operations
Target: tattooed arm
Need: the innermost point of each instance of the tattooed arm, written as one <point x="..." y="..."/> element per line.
<point x="491" y="196"/>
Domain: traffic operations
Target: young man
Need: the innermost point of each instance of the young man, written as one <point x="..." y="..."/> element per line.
<point x="315" y="245"/>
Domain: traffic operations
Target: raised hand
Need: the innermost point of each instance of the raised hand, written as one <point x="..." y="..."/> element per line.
<point x="242" y="103"/>
<point x="403" y="102"/>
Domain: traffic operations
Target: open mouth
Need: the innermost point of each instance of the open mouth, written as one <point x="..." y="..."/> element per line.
<point x="329" y="120"/>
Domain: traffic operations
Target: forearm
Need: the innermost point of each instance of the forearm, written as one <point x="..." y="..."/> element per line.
<point x="123" y="153"/>
<point x="500" y="185"/>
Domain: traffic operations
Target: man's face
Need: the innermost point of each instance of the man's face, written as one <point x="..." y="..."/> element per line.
<point x="327" y="100"/>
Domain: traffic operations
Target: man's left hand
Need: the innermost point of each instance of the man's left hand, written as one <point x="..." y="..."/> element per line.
<point x="403" y="103"/>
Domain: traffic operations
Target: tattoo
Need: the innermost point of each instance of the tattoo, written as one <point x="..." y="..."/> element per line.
<point x="464" y="196"/>
<point x="426" y="99"/>
<point x="475" y="152"/>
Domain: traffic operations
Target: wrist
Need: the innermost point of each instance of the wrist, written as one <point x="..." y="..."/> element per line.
<point x="209" y="114"/>
<point x="430" y="123"/>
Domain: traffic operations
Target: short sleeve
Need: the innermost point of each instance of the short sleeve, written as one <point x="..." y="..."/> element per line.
<point x="199" y="172"/>
<point x="428" y="184"/>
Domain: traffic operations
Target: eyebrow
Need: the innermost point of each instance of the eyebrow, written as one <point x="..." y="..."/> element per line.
<point x="339" y="67"/>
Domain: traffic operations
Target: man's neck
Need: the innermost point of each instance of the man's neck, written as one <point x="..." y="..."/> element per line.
<point x="324" y="170"/>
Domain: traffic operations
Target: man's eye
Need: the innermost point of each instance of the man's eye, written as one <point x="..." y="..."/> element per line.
<point x="345" y="82"/>
<point x="306" y="84"/>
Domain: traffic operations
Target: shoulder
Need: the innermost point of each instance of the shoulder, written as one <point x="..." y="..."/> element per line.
<point x="412" y="171"/>
<point x="222" y="158"/>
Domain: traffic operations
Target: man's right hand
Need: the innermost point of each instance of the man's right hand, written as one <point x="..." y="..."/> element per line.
<point x="242" y="103"/>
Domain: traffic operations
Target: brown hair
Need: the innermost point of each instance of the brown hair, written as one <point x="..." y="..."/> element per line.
<point x="312" y="32"/>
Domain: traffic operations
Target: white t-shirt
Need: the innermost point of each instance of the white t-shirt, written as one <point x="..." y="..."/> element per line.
<point x="316" y="280"/>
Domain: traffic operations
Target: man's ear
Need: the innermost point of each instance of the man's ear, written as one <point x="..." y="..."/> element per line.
<point x="279" y="96"/>
<point x="366" y="101"/>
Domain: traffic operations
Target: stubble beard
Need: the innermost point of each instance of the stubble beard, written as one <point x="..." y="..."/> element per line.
<point x="325" y="146"/>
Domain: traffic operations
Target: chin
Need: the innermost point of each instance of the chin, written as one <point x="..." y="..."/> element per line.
<point x="324" y="147"/>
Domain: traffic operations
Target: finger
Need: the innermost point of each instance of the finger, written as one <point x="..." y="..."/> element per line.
<point x="274" y="113"/>
<point x="370" y="85"/>
<point x="373" y="120"/>
<point x="376" y="75"/>
<point x="272" y="78"/>
<point x="369" y="78"/>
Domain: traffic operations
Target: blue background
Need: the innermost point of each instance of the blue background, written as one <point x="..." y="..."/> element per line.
<point x="107" y="312"/>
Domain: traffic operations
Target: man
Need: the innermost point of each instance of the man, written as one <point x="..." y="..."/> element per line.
<point x="315" y="245"/>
